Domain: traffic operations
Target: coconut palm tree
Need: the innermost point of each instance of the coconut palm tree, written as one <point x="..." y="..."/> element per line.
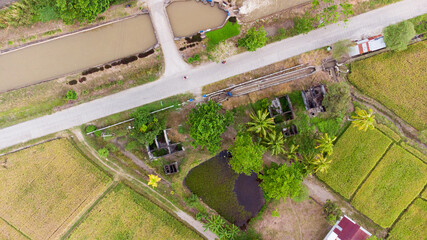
<point x="154" y="179"/>
<point x="261" y="123"/>
<point x="292" y="152"/>
<point x="320" y="163"/>
<point x="363" y="120"/>
<point x="275" y="142"/>
<point x="326" y="144"/>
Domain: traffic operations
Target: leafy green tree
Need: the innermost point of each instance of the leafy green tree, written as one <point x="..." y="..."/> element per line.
<point x="207" y="125"/>
<point x="253" y="39"/>
<point x="397" y="36"/>
<point x="247" y="155"/>
<point x="275" y="142"/>
<point x="261" y="123"/>
<point x="332" y="212"/>
<point x="103" y="152"/>
<point x="340" y="49"/>
<point x="363" y="120"/>
<point x="71" y="95"/>
<point x="326" y="144"/>
<point x="337" y="100"/>
<point x="145" y="127"/>
<point x="80" y="10"/>
<point x="292" y="152"/>
<point x="283" y="181"/>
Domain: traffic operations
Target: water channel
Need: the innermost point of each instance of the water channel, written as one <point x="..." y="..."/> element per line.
<point x="68" y="54"/>
<point x="190" y="17"/>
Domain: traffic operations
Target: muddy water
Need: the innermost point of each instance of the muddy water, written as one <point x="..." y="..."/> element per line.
<point x="190" y="17"/>
<point x="76" y="52"/>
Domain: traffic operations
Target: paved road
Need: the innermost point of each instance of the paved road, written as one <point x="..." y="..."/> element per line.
<point x="173" y="59"/>
<point x="172" y="84"/>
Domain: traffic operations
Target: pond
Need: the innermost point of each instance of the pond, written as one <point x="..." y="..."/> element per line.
<point x="190" y="17"/>
<point x="50" y="59"/>
<point x="236" y="197"/>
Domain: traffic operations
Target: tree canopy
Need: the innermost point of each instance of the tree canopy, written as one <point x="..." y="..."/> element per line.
<point x="337" y="100"/>
<point x="145" y="127"/>
<point x="283" y="181"/>
<point x="247" y="155"/>
<point x="253" y="39"/>
<point x="80" y="10"/>
<point x="207" y="124"/>
<point x="397" y="36"/>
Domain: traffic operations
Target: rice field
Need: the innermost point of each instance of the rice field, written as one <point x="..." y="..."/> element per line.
<point x="8" y="232"/>
<point x="398" y="80"/>
<point x="45" y="187"/>
<point x="355" y="155"/>
<point x="395" y="182"/>
<point x="412" y="224"/>
<point x="125" y="214"/>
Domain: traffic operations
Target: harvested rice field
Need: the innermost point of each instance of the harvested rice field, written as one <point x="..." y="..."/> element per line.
<point x="45" y="187"/>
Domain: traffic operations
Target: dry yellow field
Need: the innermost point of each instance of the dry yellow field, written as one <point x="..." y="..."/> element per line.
<point x="7" y="232"/>
<point x="45" y="187"/>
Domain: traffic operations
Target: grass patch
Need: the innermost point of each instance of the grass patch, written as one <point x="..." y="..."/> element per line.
<point x="124" y="214"/>
<point x="213" y="181"/>
<point x="391" y="187"/>
<point x="420" y="23"/>
<point x="388" y="132"/>
<point x="397" y="80"/>
<point x="355" y="154"/>
<point x="44" y="187"/>
<point x="229" y="30"/>
<point x="413" y="223"/>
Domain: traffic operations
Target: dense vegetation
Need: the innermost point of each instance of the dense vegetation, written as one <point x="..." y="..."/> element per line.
<point x="254" y="39"/>
<point x="412" y="225"/>
<point x="27" y="12"/>
<point x="355" y="155"/>
<point x="145" y="126"/>
<point x="213" y="181"/>
<point x="397" y="36"/>
<point x="394" y="183"/>
<point x="247" y="155"/>
<point x="397" y="80"/>
<point x="207" y="124"/>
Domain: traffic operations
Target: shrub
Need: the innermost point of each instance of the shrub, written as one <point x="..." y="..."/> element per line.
<point x="80" y="10"/>
<point x="71" y="95"/>
<point x="253" y="39"/>
<point x="207" y="125"/>
<point x="160" y="152"/>
<point x="103" y="152"/>
<point x="397" y="36"/>
<point x="302" y="195"/>
<point x="92" y="128"/>
<point x="337" y="100"/>
<point x="332" y="212"/>
<point x="304" y="24"/>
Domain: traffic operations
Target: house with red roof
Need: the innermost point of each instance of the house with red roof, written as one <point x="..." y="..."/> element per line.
<point x="347" y="229"/>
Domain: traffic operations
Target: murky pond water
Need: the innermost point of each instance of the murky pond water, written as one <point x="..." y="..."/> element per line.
<point x="53" y="58"/>
<point x="190" y="17"/>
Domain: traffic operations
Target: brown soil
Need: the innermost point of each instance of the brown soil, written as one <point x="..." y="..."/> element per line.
<point x="296" y="221"/>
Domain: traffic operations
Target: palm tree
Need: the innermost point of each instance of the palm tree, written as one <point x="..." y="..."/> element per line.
<point x="326" y="144"/>
<point x="261" y="123"/>
<point x="292" y="152"/>
<point x="275" y="142"/>
<point x="320" y="163"/>
<point x="363" y="119"/>
<point x="154" y="179"/>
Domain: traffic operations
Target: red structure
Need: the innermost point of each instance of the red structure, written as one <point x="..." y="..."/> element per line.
<point x="347" y="229"/>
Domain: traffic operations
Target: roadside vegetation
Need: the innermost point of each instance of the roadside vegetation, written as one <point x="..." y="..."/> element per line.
<point x="397" y="80"/>
<point x="391" y="187"/>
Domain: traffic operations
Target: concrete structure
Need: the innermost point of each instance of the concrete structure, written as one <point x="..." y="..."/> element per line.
<point x="347" y="229"/>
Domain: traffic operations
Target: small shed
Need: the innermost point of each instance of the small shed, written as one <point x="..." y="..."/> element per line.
<point x="370" y="44"/>
<point x="347" y="229"/>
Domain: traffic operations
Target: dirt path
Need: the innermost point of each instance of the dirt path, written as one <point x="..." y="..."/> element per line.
<point x="119" y="172"/>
